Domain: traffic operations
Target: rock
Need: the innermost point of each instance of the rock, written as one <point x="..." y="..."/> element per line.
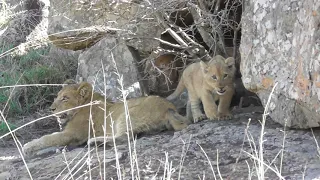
<point x="5" y="175"/>
<point x="65" y="60"/>
<point x="280" y="44"/>
<point x="77" y="22"/>
<point x="116" y="58"/>
<point x="181" y="154"/>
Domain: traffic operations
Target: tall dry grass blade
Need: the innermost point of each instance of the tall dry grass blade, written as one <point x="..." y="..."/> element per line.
<point x="83" y="174"/>
<point x="214" y="174"/>
<point x="315" y="140"/>
<point x="218" y="169"/>
<point x="93" y="132"/>
<point x="183" y="155"/>
<point x="283" y="143"/>
<point x="76" y="166"/>
<point x="264" y="117"/>
<point x="67" y="164"/>
<point x="115" y="150"/>
<point x="167" y="173"/>
<point x="104" y="120"/>
<point x="17" y="144"/>
<point x="128" y="123"/>
<point x="30" y="85"/>
<point x="242" y="145"/>
<point x="272" y="169"/>
<point x="249" y="169"/>
<point x="73" y="168"/>
<point x="11" y="92"/>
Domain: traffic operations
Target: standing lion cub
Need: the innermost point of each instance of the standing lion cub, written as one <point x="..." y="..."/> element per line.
<point x="207" y="83"/>
<point x="147" y="114"/>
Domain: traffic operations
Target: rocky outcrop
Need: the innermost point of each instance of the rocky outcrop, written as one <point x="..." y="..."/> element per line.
<point x="111" y="59"/>
<point x="228" y="146"/>
<point x="99" y="28"/>
<point x="280" y="44"/>
<point x="79" y="24"/>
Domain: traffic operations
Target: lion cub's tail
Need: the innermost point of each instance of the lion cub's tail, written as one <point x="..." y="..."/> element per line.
<point x="177" y="92"/>
<point x="176" y="121"/>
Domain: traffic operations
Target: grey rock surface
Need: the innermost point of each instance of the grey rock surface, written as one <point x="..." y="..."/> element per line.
<point x="130" y="18"/>
<point x="109" y="58"/>
<point x="280" y="44"/>
<point x="181" y="154"/>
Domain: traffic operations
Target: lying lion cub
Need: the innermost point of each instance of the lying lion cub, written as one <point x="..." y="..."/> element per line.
<point x="146" y="113"/>
<point x="203" y="80"/>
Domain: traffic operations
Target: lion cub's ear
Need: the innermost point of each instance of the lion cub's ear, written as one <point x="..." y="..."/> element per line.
<point x="230" y="62"/>
<point x="204" y="67"/>
<point x="85" y="90"/>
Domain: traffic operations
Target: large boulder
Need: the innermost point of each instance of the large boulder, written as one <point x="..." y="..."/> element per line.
<point x="79" y="24"/>
<point x="107" y="62"/>
<point x="280" y="44"/>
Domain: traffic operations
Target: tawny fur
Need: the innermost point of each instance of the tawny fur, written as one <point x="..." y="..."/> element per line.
<point x="147" y="114"/>
<point x="207" y="83"/>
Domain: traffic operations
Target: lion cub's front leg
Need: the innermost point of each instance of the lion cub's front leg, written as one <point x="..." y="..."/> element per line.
<point x="209" y="106"/>
<point x="224" y="105"/>
<point x="51" y="140"/>
<point x="194" y="107"/>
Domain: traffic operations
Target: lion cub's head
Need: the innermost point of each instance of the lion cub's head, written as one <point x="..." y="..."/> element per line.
<point x="70" y="96"/>
<point x="219" y="73"/>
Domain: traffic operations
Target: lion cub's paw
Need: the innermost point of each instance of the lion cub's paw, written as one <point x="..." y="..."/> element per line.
<point x="225" y="116"/>
<point x="96" y="141"/>
<point x="213" y="117"/>
<point x="29" y="148"/>
<point x="198" y="118"/>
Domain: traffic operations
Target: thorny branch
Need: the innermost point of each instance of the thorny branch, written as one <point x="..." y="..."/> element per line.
<point x="193" y="48"/>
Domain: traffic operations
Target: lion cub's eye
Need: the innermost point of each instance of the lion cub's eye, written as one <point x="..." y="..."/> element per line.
<point x="225" y="76"/>
<point x="214" y="77"/>
<point x="64" y="98"/>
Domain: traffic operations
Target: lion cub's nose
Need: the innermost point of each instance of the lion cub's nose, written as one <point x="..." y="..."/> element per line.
<point x="52" y="108"/>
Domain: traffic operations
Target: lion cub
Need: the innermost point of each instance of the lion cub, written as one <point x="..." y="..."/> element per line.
<point x="207" y="83"/>
<point x="147" y="114"/>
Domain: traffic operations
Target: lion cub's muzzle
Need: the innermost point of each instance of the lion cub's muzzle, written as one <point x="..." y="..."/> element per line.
<point x="221" y="91"/>
<point x="61" y="117"/>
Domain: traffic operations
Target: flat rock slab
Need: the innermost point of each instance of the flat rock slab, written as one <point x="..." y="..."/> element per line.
<point x="231" y="146"/>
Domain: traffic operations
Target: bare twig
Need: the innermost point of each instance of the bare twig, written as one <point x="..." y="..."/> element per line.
<point x="207" y="38"/>
<point x="213" y="173"/>
<point x="16" y="141"/>
<point x="194" y="51"/>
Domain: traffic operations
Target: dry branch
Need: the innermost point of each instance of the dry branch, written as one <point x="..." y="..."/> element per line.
<point x="202" y="26"/>
<point x="193" y="48"/>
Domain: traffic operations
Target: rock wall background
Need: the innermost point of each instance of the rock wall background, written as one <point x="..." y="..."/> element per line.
<point x="280" y="44"/>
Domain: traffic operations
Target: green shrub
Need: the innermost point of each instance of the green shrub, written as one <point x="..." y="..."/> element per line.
<point x="31" y="68"/>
